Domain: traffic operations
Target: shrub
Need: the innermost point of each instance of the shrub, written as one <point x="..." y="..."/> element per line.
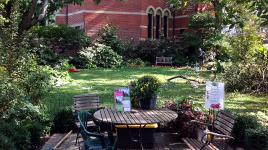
<point x="81" y="61"/>
<point x="19" y="70"/>
<point x="52" y="43"/>
<point x="64" y="121"/>
<point x="108" y="37"/>
<point x="244" y="122"/>
<point x="6" y="143"/>
<point x="36" y="83"/>
<point x="245" y="45"/>
<point x="64" y="65"/>
<point x="24" y="126"/>
<point x="246" y="77"/>
<point x="135" y="63"/>
<point x="61" y="37"/>
<point x="257" y="138"/>
<point x="32" y="120"/>
<point x="17" y="136"/>
<point x="101" y="55"/>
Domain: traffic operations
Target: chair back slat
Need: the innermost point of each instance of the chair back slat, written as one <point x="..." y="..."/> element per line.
<point x="224" y="122"/>
<point x="86" y="102"/>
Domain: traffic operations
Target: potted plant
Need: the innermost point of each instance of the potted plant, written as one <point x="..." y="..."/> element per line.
<point x="144" y="92"/>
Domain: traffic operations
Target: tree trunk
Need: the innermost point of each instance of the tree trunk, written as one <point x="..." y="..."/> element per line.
<point x="218" y="13"/>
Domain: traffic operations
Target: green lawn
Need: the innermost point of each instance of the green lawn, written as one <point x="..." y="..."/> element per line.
<point x="104" y="81"/>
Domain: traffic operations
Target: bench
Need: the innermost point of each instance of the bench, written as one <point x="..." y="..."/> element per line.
<point x="219" y="139"/>
<point x="163" y="60"/>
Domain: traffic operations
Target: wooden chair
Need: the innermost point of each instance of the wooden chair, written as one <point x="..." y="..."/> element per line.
<point x="89" y="103"/>
<point x="218" y="139"/>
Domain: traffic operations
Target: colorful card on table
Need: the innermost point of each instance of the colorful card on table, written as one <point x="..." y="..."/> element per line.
<point x="122" y="99"/>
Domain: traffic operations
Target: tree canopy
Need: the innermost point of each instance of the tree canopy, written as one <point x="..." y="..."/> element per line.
<point x="228" y="11"/>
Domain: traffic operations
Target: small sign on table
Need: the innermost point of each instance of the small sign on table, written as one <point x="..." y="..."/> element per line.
<point x="122" y="99"/>
<point x="214" y="95"/>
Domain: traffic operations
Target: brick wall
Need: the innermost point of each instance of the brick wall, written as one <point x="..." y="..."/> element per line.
<point x="130" y="17"/>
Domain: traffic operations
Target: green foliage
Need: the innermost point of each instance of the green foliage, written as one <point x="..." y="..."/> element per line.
<point x="64" y="121"/>
<point x="248" y="72"/>
<point x="24" y="126"/>
<point x="177" y="5"/>
<point x="63" y="37"/>
<point x="250" y="77"/>
<point x="260" y="7"/>
<point x="9" y="94"/>
<point x="64" y="64"/>
<point x="36" y="83"/>
<point x="244" y="122"/>
<point x="144" y="88"/>
<point x="6" y="143"/>
<point x="33" y="119"/>
<point x="18" y="137"/>
<point x="52" y="43"/>
<point x="23" y="83"/>
<point x="108" y="37"/>
<point x="135" y="63"/>
<point x="202" y="21"/>
<point x="81" y="61"/>
<point x="100" y="55"/>
<point x="204" y="34"/>
<point x="257" y="138"/>
<point x="245" y="45"/>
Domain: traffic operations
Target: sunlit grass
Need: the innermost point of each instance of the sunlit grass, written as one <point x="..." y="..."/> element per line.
<point x="104" y="81"/>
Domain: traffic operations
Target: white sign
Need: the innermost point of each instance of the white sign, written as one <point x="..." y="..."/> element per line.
<point x="214" y="95"/>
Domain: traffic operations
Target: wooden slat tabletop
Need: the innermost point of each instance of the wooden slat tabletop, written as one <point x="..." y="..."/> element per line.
<point x="135" y="117"/>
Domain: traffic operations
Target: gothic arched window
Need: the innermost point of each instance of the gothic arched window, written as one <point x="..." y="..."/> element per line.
<point x="158" y="24"/>
<point x="150" y="23"/>
<point x="165" y="24"/>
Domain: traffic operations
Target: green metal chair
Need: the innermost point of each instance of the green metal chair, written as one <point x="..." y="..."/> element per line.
<point x="86" y="102"/>
<point x="91" y="140"/>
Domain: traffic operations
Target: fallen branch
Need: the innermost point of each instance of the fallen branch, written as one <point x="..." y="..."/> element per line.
<point x="183" y="77"/>
<point x="63" y="139"/>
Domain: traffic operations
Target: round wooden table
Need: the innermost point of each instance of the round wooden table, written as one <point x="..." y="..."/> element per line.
<point x="139" y="118"/>
<point x="135" y="117"/>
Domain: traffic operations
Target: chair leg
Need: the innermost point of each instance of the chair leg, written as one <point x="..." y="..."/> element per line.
<point x="77" y="136"/>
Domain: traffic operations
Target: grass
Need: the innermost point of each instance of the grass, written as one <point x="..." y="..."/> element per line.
<point x="104" y="81"/>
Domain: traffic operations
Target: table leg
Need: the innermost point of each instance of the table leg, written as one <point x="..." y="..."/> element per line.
<point x="110" y="135"/>
<point x="140" y="137"/>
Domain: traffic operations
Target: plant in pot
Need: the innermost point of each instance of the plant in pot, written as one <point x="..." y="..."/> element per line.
<point x="144" y="92"/>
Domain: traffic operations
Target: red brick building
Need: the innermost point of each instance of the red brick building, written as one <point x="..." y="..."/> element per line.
<point x="135" y="19"/>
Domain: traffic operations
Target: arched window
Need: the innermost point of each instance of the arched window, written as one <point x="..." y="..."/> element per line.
<point x="150" y="23"/>
<point x="165" y="24"/>
<point x="158" y="24"/>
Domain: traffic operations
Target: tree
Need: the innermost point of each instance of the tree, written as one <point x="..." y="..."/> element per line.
<point x="229" y="7"/>
<point x="260" y="7"/>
